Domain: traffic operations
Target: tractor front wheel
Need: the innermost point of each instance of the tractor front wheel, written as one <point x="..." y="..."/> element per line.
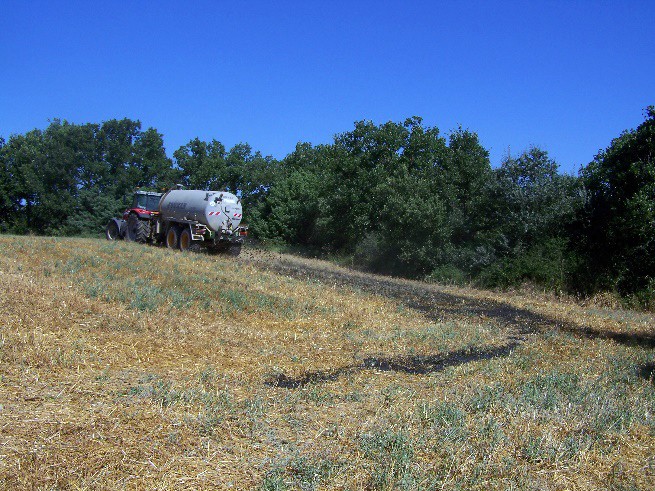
<point x="112" y="231"/>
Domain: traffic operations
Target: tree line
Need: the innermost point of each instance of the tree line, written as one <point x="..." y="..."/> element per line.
<point x="398" y="198"/>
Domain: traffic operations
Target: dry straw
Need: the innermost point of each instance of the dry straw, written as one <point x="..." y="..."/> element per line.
<point x="126" y="366"/>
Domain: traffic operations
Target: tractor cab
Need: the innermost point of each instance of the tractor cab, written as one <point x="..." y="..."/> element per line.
<point x="146" y="200"/>
<point x="145" y="203"/>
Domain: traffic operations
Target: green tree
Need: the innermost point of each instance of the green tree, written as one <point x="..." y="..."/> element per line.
<point x="155" y="168"/>
<point x="23" y="156"/>
<point x="7" y="186"/>
<point x="530" y="209"/>
<point x="415" y="228"/>
<point x="282" y="195"/>
<point x="203" y="165"/>
<point x="394" y="194"/>
<point x="293" y="209"/>
<point x="619" y="220"/>
<point x="69" y="179"/>
<point x="116" y="139"/>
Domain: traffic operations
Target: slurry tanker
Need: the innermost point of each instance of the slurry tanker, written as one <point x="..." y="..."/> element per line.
<point x="183" y="219"/>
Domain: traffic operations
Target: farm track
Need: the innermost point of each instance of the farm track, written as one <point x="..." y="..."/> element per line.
<point x="438" y="306"/>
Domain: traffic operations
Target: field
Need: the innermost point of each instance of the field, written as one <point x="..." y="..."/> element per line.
<point x="135" y="367"/>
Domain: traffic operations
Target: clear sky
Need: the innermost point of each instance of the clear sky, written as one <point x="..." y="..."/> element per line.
<point x="567" y="76"/>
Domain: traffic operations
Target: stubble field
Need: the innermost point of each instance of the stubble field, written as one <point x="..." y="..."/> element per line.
<point x="134" y="367"/>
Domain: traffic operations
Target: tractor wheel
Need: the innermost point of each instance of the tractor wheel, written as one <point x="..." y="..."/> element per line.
<point x="234" y="250"/>
<point x="137" y="230"/>
<point x="185" y="240"/>
<point x="172" y="237"/>
<point x="112" y="232"/>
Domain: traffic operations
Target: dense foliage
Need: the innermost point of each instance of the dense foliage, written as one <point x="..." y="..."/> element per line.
<point x="618" y="224"/>
<point x="397" y="198"/>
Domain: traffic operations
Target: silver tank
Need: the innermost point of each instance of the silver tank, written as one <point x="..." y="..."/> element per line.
<point x="216" y="209"/>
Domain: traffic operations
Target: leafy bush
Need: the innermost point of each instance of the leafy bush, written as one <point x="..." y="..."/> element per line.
<point x="548" y="265"/>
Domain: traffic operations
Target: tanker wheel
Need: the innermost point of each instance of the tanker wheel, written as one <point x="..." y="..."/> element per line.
<point x="185" y="240"/>
<point x="172" y="237"/>
<point x="112" y="232"/>
<point x="137" y="230"/>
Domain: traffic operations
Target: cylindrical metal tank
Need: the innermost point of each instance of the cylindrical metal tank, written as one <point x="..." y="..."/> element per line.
<point x="216" y="209"/>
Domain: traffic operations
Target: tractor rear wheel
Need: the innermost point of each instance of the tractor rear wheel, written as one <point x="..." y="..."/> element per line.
<point x="185" y="240"/>
<point x="137" y="230"/>
<point x="172" y="237"/>
<point x="112" y="232"/>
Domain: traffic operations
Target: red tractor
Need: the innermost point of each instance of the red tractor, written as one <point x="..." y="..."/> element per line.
<point x="136" y="223"/>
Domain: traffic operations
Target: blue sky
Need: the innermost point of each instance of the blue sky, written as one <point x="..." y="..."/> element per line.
<point x="567" y="76"/>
